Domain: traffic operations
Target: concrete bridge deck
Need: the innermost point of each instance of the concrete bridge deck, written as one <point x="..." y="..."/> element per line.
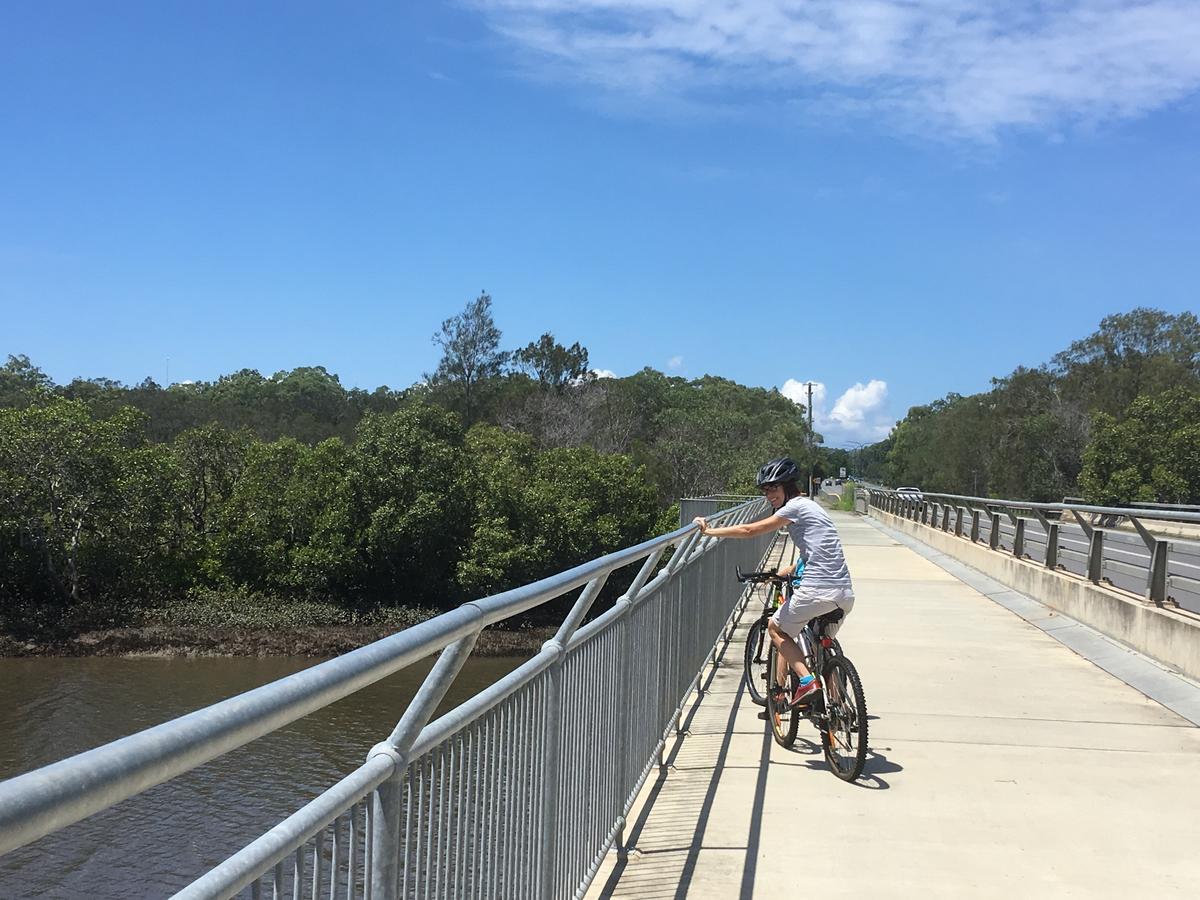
<point x="1002" y="764"/>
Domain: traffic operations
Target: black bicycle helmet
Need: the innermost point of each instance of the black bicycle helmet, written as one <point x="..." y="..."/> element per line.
<point x="778" y="470"/>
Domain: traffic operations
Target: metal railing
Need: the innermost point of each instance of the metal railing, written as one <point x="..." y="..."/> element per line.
<point x="1072" y="537"/>
<point x="690" y="507"/>
<point x="519" y="792"/>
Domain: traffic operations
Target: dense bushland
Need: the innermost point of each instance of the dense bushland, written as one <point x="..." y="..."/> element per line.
<point x="281" y="499"/>
<point x="1115" y="418"/>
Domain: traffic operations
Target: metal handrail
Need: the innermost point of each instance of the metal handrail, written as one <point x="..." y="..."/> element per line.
<point x="1193" y="507"/>
<point x="1052" y="517"/>
<point x="1124" y="511"/>
<point x="50" y="798"/>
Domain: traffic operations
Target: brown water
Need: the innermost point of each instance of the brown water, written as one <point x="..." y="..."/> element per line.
<point x="159" y="841"/>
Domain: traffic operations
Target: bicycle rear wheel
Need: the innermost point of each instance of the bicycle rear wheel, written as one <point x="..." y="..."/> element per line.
<point x="784" y="721"/>
<point x="755" y="663"/>
<point x="845" y="734"/>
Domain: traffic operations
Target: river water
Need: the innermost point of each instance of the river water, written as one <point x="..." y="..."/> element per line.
<point x="159" y="841"/>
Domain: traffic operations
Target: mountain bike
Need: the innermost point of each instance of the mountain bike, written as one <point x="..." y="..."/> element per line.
<point x="757" y="640"/>
<point x="838" y="711"/>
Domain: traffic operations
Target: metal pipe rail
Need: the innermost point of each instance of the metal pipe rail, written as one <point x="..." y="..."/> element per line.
<point x="518" y="792"/>
<point x="1077" y="538"/>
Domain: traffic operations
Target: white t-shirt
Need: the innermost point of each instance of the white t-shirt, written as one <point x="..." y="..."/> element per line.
<point x="817" y="539"/>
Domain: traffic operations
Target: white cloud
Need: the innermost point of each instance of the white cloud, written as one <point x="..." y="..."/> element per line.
<point x="797" y="392"/>
<point x="604" y="373"/>
<point x="859" y="414"/>
<point x="675" y="363"/>
<point x="966" y="68"/>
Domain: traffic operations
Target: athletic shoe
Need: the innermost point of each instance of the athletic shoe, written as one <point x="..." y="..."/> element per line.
<point x="806" y="688"/>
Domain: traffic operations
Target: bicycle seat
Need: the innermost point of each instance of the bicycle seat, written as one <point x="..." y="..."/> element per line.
<point x="820" y="623"/>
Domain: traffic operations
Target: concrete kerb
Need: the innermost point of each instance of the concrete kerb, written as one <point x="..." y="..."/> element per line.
<point x="985" y="571"/>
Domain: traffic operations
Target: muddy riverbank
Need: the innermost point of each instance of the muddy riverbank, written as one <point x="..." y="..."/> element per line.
<point x="188" y="641"/>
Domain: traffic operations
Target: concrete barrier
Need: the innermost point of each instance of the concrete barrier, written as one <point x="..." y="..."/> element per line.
<point x="1166" y="635"/>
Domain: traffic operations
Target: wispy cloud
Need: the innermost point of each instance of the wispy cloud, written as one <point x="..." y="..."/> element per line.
<point x="967" y="68"/>
<point x="860" y="413"/>
<point x="675" y="363"/>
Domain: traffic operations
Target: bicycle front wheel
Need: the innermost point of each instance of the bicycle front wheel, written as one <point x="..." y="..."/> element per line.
<point x="845" y="733"/>
<point x="783" y="719"/>
<point x="755" y="664"/>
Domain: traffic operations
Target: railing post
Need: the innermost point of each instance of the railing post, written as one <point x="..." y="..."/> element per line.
<point x="1019" y="537"/>
<point x="389" y="796"/>
<point x="1052" y="546"/>
<point x="994" y="533"/>
<point x="945" y="517"/>
<point x="552" y="779"/>
<point x="1156" y="578"/>
<point x="974" y="526"/>
<point x="1051" y="538"/>
<point x="924" y="512"/>
<point x="1095" y="560"/>
<point x="624" y="621"/>
<point x="386" y="832"/>
<point x="552" y="736"/>
<point x="1095" y="555"/>
<point x="1156" y="581"/>
<point x="959" y="512"/>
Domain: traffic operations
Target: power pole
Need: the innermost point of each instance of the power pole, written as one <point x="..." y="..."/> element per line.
<point x="809" y="384"/>
<point x="811" y="443"/>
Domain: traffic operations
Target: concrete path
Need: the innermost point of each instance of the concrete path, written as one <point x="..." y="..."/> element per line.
<point x="1002" y="765"/>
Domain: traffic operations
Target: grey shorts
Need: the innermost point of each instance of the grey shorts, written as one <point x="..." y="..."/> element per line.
<point x="806" y="604"/>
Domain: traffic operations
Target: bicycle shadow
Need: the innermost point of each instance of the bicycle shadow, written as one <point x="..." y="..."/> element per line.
<point x="874" y="768"/>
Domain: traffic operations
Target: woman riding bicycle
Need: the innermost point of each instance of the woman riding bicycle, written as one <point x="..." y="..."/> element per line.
<point x="824" y="584"/>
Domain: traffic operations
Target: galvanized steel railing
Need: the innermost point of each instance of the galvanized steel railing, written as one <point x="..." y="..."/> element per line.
<point x="518" y="792"/>
<point x="690" y="507"/>
<point x="1073" y="537"/>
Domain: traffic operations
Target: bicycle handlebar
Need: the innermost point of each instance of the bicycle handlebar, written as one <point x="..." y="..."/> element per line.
<point x="760" y="577"/>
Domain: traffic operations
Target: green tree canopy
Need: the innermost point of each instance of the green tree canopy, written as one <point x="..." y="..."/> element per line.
<point x="1153" y="455"/>
<point x="80" y="499"/>
<point x="553" y="365"/>
<point x="471" y="355"/>
<point x="1143" y="351"/>
<point x="535" y="512"/>
<point x="21" y="382"/>
<point x="1029" y="436"/>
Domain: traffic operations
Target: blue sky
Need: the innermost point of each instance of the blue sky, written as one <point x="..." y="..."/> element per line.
<point x="894" y="199"/>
